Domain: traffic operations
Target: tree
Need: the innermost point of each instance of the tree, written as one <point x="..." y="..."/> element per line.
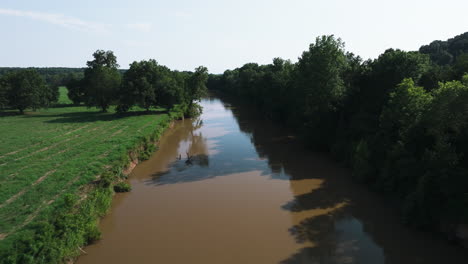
<point x="102" y="80"/>
<point x="139" y="85"/>
<point x="3" y="94"/>
<point x="76" y="89"/>
<point x="403" y="112"/>
<point x="404" y="109"/>
<point x="320" y="88"/>
<point x="27" y="89"/>
<point x="461" y="66"/>
<point x="196" y="86"/>
<point x="440" y="143"/>
<point x="103" y="59"/>
<point x="320" y="75"/>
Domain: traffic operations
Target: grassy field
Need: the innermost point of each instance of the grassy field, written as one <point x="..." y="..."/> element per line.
<point x="63" y="96"/>
<point x="49" y="154"/>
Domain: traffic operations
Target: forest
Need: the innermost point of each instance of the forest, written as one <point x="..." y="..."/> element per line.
<point x="399" y="121"/>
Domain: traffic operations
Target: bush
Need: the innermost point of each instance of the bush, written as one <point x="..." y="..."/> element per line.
<point x="122" y="187"/>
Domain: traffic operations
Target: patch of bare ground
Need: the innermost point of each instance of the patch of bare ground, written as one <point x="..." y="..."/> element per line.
<point x="118" y="131"/>
<point x="54" y="145"/>
<point x="145" y="126"/>
<point x="18" y="150"/>
<point x="73" y="131"/>
<point x="47" y="148"/>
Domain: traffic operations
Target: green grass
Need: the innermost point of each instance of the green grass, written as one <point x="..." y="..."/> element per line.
<point x="48" y="155"/>
<point x="63" y="96"/>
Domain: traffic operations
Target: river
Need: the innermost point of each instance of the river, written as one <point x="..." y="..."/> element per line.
<point x="250" y="193"/>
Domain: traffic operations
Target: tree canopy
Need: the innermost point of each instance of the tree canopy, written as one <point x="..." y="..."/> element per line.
<point x="25" y="89"/>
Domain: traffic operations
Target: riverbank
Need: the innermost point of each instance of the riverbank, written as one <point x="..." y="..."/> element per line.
<point x="57" y="178"/>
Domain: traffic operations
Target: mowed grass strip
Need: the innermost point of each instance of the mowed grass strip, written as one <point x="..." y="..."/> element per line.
<point x="57" y="151"/>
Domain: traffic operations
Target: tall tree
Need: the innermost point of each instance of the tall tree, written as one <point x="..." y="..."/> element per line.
<point x="139" y="85"/>
<point x="102" y="80"/>
<point x="320" y="88"/>
<point x="3" y="93"/>
<point x="196" y="87"/>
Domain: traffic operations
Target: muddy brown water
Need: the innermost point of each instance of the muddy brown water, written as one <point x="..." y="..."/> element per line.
<point x="250" y="193"/>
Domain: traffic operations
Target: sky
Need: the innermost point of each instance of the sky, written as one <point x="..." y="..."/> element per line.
<point x="184" y="34"/>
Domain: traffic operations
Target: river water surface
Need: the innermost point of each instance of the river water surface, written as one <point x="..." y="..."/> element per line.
<point x="250" y="193"/>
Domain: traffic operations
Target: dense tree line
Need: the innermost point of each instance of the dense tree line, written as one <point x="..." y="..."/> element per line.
<point x="53" y="76"/>
<point x="399" y="121"/>
<point x="101" y="84"/>
<point x="25" y="89"/>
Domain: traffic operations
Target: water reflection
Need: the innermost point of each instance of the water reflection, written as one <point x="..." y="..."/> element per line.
<point x="209" y="148"/>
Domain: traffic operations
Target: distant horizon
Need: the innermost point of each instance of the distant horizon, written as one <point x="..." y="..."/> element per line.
<point x="184" y="34"/>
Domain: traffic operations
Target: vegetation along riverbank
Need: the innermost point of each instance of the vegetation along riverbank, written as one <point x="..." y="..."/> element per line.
<point x="399" y="121"/>
<point x="60" y="162"/>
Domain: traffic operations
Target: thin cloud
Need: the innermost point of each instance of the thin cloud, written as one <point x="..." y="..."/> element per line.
<point x="137" y="44"/>
<point x="182" y="14"/>
<point x="144" y="27"/>
<point x="57" y="19"/>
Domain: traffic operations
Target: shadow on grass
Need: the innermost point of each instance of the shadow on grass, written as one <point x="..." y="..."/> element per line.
<point x="84" y="117"/>
<point x="10" y="113"/>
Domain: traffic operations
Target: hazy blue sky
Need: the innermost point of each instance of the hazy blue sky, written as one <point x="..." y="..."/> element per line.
<point x="214" y="33"/>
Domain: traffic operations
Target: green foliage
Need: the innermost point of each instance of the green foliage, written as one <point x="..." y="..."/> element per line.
<point x="101" y="80"/>
<point x="446" y="52"/>
<point x="122" y="187"/>
<point x="139" y="85"/>
<point x="362" y="169"/>
<point x="319" y="73"/>
<point x="320" y="88"/>
<point x="103" y="59"/>
<point x="404" y="109"/>
<point x="26" y="89"/>
<point x="76" y="90"/>
<point x="54" y="77"/>
<point x="196" y="84"/>
<point x="3" y="94"/>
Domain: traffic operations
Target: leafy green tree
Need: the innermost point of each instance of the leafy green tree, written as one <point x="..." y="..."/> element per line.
<point x="196" y="86"/>
<point x="404" y="109"/>
<point x="139" y="85"/>
<point x="406" y="106"/>
<point x="319" y="73"/>
<point x="171" y="87"/>
<point x="27" y="89"/>
<point x="461" y="66"/>
<point x="3" y="93"/>
<point x="102" y="80"/>
<point x="320" y="88"/>
<point x="76" y="90"/>
<point x="440" y="144"/>
<point x="103" y="59"/>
